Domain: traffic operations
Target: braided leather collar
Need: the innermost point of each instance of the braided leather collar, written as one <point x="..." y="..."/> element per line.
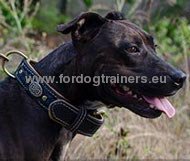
<point x="77" y="120"/>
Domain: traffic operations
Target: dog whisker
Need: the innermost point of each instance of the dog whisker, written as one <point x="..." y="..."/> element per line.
<point x="125" y="88"/>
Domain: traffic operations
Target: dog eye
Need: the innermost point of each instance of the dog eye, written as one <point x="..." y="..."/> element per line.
<point x="132" y="49"/>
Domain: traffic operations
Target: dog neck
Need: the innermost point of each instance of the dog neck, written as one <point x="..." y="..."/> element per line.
<point x="63" y="61"/>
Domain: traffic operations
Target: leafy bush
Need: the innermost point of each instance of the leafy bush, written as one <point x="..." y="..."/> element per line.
<point x="48" y="17"/>
<point x="16" y="17"/>
<point x="171" y="35"/>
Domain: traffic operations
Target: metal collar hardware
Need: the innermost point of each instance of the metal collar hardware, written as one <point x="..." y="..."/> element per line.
<point x="59" y="109"/>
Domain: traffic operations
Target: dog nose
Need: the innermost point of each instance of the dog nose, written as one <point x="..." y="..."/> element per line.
<point x="179" y="78"/>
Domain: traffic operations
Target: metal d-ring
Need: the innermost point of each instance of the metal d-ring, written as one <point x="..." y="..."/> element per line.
<point x="5" y="59"/>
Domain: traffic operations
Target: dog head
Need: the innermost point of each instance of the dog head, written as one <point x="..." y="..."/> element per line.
<point x="113" y="46"/>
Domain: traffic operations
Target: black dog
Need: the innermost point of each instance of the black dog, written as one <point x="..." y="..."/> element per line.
<point x="109" y="46"/>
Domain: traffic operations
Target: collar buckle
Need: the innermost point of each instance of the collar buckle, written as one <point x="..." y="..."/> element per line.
<point x="5" y="59"/>
<point x="75" y="119"/>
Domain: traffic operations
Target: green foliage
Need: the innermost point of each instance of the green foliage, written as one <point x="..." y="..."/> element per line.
<point x="170" y="35"/>
<point x="174" y="9"/>
<point x="48" y="18"/>
<point x="88" y="3"/>
<point x="16" y="17"/>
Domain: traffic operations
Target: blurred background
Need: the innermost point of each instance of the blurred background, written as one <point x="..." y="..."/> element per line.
<point x="30" y="26"/>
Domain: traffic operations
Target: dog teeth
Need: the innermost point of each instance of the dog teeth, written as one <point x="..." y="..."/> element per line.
<point x="130" y="93"/>
<point x="125" y="88"/>
<point x="140" y="99"/>
<point x="177" y="84"/>
<point x="151" y="106"/>
<point x="135" y="96"/>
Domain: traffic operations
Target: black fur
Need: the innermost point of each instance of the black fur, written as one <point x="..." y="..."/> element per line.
<point x="99" y="46"/>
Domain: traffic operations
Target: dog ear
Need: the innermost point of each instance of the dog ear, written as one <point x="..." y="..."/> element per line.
<point x="115" y="16"/>
<point x="86" y="24"/>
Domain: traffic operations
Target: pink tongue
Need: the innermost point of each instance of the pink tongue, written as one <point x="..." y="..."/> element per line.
<point x="162" y="104"/>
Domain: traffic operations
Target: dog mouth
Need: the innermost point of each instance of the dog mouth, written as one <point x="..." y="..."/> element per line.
<point x="146" y="106"/>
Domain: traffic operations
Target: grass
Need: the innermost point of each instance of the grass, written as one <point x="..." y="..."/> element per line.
<point x="124" y="134"/>
<point x="128" y="136"/>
